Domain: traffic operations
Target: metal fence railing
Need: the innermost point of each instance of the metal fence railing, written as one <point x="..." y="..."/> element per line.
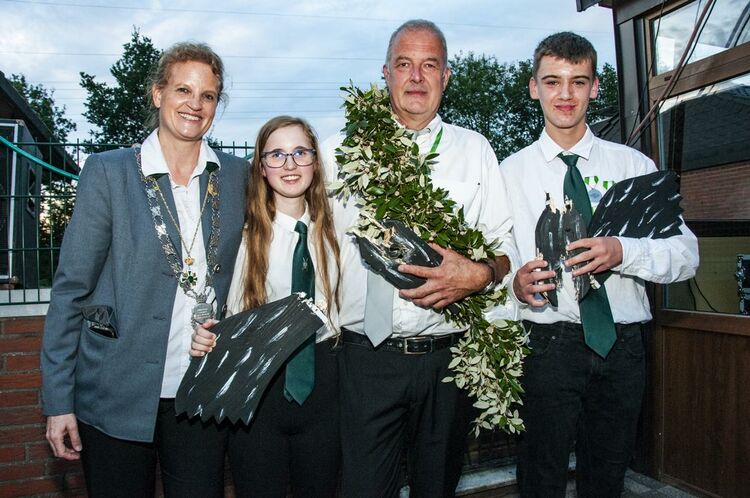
<point x="37" y="193"/>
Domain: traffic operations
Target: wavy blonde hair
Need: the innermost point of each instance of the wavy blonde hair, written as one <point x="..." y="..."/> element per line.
<point x="176" y="54"/>
<point x="261" y="211"/>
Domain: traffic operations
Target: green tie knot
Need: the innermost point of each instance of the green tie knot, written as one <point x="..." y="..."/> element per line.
<point x="569" y="158"/>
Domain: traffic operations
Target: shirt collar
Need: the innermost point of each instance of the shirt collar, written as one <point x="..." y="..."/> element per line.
<point x="289" y="223"/>
<point x="550" y="148"/>
<point x="153" y="162"/>
<point x="431" y="129"/>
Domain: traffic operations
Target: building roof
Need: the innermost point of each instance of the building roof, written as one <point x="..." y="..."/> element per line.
<point x="15" y="107"/>
<point x="582" y="5"/>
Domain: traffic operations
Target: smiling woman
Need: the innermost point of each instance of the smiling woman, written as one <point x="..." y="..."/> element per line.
<point x="141" y="261"/>
<point x="187" y="103"/>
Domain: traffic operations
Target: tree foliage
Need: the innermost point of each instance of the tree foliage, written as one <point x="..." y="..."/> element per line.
<point x="493" y="99"/>
<point x="606" y="104"/>
<point x="42" y="101"/>
<point x="120" y="111"/>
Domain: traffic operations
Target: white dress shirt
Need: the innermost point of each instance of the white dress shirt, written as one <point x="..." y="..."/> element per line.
<point x="535" y="170"/>
<point x="279" y="277"/>
<point x="467" y="168"/>
<point x="188" y="203"/>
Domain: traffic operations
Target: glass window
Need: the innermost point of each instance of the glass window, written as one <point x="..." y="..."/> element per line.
<point x="704" y="135"/>
<point x="723" y="30"/>
<point x="706" y="127"/>
<point x="716" y="286"/>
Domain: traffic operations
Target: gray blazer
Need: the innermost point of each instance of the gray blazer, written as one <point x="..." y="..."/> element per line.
<point x="111" y="257"/>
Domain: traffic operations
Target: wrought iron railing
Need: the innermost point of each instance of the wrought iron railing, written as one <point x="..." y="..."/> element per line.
<point x="37" y="193"/>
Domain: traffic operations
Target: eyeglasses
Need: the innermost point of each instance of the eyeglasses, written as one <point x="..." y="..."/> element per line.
<point x="277" y="158"/>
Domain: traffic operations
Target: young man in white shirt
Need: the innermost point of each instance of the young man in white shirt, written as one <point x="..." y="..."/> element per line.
<point x="576" y="395"/>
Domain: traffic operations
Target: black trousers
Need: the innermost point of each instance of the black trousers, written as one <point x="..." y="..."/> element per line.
<point x="575" y="397"/>
<point x="288" y="444"/>
<point x="191" y="455"/>
<point x="391" y="403"/>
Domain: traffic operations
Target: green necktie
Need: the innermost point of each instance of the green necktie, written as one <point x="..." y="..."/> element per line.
<point x="300" y="369"/>
<point x="596" y="315"/>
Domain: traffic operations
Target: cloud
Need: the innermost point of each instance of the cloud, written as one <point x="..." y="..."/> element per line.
<point x="284" y="56"/>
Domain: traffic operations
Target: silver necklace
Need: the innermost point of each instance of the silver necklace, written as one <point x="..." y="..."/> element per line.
<point x="186" y="277"/>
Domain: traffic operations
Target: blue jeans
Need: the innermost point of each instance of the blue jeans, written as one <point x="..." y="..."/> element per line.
<point x="576" y="399"/>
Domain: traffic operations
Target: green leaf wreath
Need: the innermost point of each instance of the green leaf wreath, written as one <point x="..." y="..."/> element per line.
<point x="380" y="166"/>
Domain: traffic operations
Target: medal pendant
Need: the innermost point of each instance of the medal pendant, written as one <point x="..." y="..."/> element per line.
<point x="202" y="311"/>
<point x="189" y="278"/>
<point x="189" y="261"/>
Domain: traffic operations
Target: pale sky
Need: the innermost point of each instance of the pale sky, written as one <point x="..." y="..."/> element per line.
<point x="282" y="57"/>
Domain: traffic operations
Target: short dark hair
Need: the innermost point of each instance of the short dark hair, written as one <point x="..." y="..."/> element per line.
<point x="177" y="53"/>
<point x="565" y="45"/>
<point x="418" y="25"/>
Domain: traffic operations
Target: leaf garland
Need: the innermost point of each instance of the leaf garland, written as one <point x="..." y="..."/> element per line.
<point x="380" y="165"/>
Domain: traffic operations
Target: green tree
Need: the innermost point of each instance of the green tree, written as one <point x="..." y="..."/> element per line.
<point x="606" y="104"/>
<point x="493" y="99"/>
<point x="42" y="101"/>
<point x="120" y="111"/>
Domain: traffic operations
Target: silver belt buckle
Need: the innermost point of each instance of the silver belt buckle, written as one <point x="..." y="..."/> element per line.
<point x="416" y="339"/>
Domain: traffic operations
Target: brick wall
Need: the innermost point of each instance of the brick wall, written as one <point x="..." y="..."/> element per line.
<point x="718" y="193"/>
<point x="27" y="467"/>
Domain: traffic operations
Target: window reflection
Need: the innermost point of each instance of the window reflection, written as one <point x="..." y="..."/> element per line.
<point x="724" y="29"/>
<point x="706" y="127"/>
<point x="704" y="136"/>
<point x="715" y="286"/>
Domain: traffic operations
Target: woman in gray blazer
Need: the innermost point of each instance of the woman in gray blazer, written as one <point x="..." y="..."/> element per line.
<point x="148" y="252"/>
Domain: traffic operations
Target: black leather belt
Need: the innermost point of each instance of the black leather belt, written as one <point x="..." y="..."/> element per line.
<point x="410" y="345"/>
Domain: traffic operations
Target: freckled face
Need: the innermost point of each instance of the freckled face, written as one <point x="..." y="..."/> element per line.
<point x="187" y="103"/>
<point x="564" y="89"/>
<point x="290" y="182"/>
<point x="416" y="76"/>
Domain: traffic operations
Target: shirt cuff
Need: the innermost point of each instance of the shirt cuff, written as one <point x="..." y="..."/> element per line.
<point x="508" y="283"/>
<point x="631" y="254"/>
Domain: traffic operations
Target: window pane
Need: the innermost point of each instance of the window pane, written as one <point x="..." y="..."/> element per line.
<point x="727" y="26"/>
<point x="715" y="287"/>
<point x="704" y="136"/>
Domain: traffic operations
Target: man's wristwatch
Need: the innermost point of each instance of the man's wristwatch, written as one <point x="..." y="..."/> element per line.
<point x="493" y="280"/>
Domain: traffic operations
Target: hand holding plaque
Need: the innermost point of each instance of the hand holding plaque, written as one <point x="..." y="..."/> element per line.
<point x="399" y="245"/>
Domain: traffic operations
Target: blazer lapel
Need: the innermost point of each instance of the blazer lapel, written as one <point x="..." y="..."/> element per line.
<point x="208" y="212"/>
<point x="172" y="229"/>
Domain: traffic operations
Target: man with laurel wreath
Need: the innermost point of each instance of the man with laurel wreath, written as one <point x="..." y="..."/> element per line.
<point x="392" y="392"/>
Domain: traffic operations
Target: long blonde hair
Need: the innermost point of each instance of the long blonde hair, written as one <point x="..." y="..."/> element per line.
<point x="261" y="211"/>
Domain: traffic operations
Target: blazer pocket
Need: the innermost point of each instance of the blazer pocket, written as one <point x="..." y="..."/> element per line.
<point x="100" y="319"/>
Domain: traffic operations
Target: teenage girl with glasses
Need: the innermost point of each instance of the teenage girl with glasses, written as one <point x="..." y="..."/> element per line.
<point x="293" y="438"/>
